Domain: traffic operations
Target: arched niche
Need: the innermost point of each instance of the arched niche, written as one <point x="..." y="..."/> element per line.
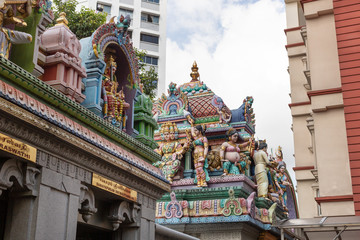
<point x="110" y="39"/>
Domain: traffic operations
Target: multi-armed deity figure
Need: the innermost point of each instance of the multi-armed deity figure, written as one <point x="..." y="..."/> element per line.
<point x="114" y="100"/>
<point x="13" y="13"/>
<point x="171" y="151"/>
<point x="234" y="162"/>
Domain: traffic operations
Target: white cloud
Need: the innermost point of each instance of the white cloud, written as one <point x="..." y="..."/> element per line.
<point x="239" y="48"/>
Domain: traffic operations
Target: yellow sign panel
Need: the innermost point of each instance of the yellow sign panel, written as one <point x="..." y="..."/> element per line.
<point x="113" y="187"/>
<point x="17" y="148"/>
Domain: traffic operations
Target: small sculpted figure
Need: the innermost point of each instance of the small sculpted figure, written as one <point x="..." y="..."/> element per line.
<point x="214" y="160"/>
<point x="281" y="182"/>
<point x="114" y="101"/>
<point x="171" y="151"/>
<point x="201" y="148"/>
<point x="261" y="162"/>
<point x="233" y="161"/>
<point x="13" y="13"/>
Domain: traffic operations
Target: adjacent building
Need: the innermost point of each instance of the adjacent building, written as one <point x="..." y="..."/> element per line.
<point x="148" y="28"/>
<point x="323" y="47"/>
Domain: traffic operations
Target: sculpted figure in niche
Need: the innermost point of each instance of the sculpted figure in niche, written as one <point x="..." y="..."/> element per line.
<point x="261" y="162"/>
<point x="171" y="151"/>
<point x="233" y="161"/>
<point x="114" y="100"/>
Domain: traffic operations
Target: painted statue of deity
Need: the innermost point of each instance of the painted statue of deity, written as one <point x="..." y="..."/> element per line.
<point x="114" y="101"/>
<point x="234" y="162"/>
<point x="171" y="151"/>
<point x="281" y="182"/>
<point x="201" y="148"/>
<point x="261" y="163"/>
<point x="9" y="16"/>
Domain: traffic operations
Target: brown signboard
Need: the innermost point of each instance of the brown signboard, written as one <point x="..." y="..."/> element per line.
<point x="113" y="187"/>
<point x="17" y="148"/>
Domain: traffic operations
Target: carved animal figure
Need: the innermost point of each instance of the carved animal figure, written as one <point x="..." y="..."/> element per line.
<point x="240" y="114"/>
<point x="214" y="160"/>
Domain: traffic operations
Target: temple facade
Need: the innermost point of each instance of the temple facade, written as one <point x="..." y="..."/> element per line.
<point x="224" y="183"/>
<point x="76" y="148"/>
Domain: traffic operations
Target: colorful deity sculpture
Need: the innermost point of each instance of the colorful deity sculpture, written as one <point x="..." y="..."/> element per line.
<point x="233" y="161"/>
<point x="114" y="101"/>
<point x="261" y="163"/>
<point x="9" y="16"/>
<point x="201" y="148"/>
<point x="171" y="151"/>
<point x="282" y="182"/>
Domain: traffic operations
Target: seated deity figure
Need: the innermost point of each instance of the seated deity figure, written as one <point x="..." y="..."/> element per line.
<point x="233" y="161"/>
<point x="114" y="101"/>
<point x="261" y="163"/>
<point x="281" y="182"/>
<point x="171" y="151"/>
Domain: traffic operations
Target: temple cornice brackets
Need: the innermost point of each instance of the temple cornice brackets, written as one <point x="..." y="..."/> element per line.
<point x="86" y="203"/>
<point x="24" y="175"/>
<point x="123" y="212"/>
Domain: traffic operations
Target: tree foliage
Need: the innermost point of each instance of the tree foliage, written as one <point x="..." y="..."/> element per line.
<point x="82" y="23"/>
<point x="148" y="75"/>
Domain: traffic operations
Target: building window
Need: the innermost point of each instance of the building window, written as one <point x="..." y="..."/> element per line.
<point x="125" y="12"/>
<point x="149" y="38"/>
<point x="149" y="18"/>
<point x="152" y="1"/>
<point x="150" y="60"/>
<point x="103" y="8"/>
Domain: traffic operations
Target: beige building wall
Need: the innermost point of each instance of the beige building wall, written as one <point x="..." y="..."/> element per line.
<point x="320" y="140"/>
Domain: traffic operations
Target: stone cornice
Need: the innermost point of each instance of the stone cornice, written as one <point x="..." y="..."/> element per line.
<point x="50" y="138"/>
<point x="50" y="96"/>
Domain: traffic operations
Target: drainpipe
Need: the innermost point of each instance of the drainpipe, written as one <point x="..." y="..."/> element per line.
<point x="172" y="234"/>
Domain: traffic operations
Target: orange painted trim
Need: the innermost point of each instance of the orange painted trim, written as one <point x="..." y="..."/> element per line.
<point x="324" y="92"/>
<point x="292" y="29"/>
<point x="303" y="168"/>
<point x="294" y="45"/>
<point x="343" y="198"/>
<point x="299" y="104"/>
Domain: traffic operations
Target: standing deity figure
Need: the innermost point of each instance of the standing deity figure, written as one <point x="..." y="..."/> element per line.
<point x="281" y="182"/>
<point x="201" y="148"/>
<point x="114" y="101"/>
<point x="233" y="161"/>
<point x="170" y="150"/>
<point x="261" y="162"/>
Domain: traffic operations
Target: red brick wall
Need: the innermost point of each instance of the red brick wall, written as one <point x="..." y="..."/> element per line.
<point x="347" y="23"/>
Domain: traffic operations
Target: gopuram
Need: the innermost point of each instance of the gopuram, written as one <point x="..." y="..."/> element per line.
<point x="224" y="183"/>
<point x="76" y="132"/>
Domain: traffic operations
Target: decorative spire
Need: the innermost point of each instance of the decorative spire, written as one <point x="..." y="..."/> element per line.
<point x="194" y="74"/>
<point x="62" y="20"/>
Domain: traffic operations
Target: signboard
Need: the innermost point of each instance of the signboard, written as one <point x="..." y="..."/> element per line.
<point x="113" y="187"/>
<point x="17" y="148"/>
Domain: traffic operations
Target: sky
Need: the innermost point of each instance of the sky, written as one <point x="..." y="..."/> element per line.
<point x="239" y="47"/>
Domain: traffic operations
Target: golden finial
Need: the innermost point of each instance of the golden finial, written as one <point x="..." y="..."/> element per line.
<point x="62" y="20"/>
<point x="194" y="74"/>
